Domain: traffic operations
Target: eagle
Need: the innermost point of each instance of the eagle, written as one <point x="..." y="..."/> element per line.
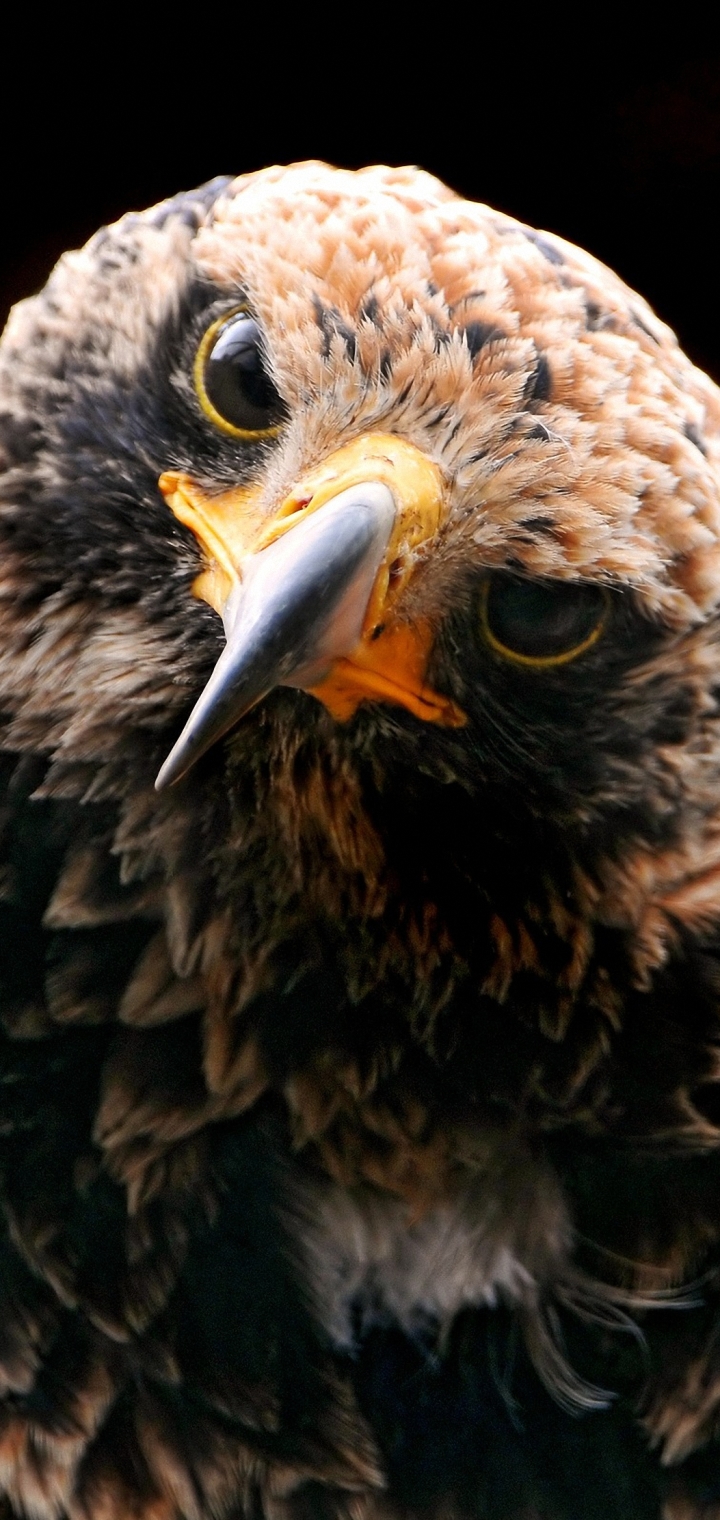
<point x="359" y="872"/>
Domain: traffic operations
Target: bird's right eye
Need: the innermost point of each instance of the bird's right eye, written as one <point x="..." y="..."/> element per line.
<point x="231" y="379"/>
<point x="542" y="623"/>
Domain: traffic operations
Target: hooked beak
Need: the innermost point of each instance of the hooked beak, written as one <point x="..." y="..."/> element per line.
<point x="309" y="601"/>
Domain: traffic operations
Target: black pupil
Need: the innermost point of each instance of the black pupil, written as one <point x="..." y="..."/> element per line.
<point x="235" y="379"/>
<point x="540" y="620"/>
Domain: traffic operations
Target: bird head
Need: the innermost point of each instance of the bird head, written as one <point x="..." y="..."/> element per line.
<point x="387" y="531"/>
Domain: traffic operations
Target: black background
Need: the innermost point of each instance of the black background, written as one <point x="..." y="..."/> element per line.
<point x="612" y="142"/>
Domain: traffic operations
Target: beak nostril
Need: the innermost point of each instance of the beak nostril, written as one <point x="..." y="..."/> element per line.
<point x="295" y="504"/>
<point x="292" y="511"/>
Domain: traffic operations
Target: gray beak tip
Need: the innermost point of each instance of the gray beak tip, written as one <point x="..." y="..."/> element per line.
<point x="167" y="774"/>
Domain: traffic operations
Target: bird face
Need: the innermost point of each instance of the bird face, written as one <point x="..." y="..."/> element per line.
<point x="509" y="539"/>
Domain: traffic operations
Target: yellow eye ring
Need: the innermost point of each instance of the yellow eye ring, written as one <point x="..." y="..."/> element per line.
<point x="541" y="661"/>
<point x="207" y="343"/>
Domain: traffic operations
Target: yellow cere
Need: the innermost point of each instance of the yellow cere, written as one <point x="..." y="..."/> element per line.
<point x="236" y="523"/>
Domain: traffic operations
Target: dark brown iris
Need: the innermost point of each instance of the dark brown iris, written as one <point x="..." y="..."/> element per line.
<point x="231" y="378"/>
<point x="541" y="622"/>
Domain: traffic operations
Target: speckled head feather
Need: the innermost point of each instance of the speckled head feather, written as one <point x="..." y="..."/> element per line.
<point x="361" y="1090"/>
<point x="579" y="412"/>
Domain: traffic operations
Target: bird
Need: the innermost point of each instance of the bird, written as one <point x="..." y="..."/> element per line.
<point x="360" y="872"/>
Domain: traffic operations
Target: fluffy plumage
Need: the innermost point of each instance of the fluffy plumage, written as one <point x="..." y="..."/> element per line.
<point x="360" y="1137"/>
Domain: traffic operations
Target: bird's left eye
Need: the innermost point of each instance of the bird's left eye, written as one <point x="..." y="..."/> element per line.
<point x="232" y="383"/>
<point x="541" y="623"/>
